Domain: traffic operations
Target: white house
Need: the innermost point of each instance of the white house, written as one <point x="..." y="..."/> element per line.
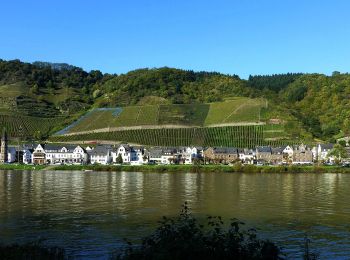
<point x="246" y="156"/>
<point x="188" y="154"/>
<point x="11" y="154"/>
<point x="124" y="151"/>
<point x="100" y="155"/>
<point x="51" y="154"/>
<point x="65" y="154"/>
<point x="154" y="155"/>
<point x="132" y="155"/>
<point x="288" y="150"/>
<point x="169" y="156"/>
<point x="38" y="155"/>
<point x="27" y="155"/>
<point x="320" y="152"/>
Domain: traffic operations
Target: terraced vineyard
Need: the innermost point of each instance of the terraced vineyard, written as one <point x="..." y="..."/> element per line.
<point x="234" y="110"/>
<point x="237" y="136"/>
<point x="27" y="127"/>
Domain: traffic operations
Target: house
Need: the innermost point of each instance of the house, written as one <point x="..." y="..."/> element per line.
<point x="101" y="154"/>
<point x="27" y="155"/>
<point x="52" y="154"/>
<point x="190" y="153"/>
<point x="263" y="154"/>
<point x="246" y="156"/>
<point x="138" y="156"/>
<point x="302" y="154"/>
<point x="277" y="155"/>
<point x="320" y="152"/>
<point x="124" y="151"/>
<point x="132" y="155"/>
<point x="288" y="151"/>
<point x="154" y="155"/>
<point x="169" y="156"/>
<point x="38" y="155"/>
<point x="221" y="154"/>
<point x="11" y="154"/>
<point x="65" y="154"/>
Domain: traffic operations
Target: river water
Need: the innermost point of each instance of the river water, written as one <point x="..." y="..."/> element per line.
<point x="89" y="213"/>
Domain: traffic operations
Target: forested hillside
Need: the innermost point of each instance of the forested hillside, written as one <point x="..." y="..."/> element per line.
<point x="310" y="105"/>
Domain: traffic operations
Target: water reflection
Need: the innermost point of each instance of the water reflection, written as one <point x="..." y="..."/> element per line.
<point x="82" y="210"/>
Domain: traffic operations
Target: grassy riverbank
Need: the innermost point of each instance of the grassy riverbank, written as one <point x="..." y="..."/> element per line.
<point x="208" y="168"/>
<point x="21" y="167"/>
<point x="184" y="168"/>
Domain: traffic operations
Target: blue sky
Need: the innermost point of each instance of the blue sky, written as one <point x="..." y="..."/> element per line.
<point x="236" y="37"/>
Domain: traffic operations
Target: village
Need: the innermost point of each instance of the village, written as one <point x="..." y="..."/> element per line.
<point x="68" y="154"/>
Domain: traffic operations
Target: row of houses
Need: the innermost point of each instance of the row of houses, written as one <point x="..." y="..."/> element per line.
<point x="137" y="155"/>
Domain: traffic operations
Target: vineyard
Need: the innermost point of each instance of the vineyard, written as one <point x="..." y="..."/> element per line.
<point x="236" y="136"/>
<point x="234" y="110"/>
<point x="27" y="127"/>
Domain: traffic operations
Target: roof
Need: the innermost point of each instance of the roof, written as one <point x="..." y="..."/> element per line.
<point x="225" y="150"/>
<point x="155" y="152"/>
<point x="50" y="147"/>
<point x="277" y="150"/>
<point x="126" y="146"/>
<point x="99" y="150"/>
<point x="326" y="146"/>
<point x="263" y="149"/>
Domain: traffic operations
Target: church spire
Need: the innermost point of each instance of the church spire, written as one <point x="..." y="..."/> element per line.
<point x="3" y="147"/>
<point x="4" y="135"/>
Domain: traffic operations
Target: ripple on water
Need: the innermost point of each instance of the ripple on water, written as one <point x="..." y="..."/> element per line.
<point x="91" y="213"/>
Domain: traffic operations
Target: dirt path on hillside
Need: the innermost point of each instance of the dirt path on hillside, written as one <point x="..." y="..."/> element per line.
<point x="124" y="128"/>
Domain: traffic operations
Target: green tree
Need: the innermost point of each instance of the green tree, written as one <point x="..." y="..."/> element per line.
<point x="339" y="152"/>
<point x="119" y="159"/>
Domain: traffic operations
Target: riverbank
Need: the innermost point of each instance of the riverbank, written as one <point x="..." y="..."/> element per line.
<point x="22" y="167"/>
<point x="184" y="168"/>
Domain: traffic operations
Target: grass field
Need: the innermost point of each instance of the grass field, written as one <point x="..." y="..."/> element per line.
<point x="237" y="136"/>
<point x="234" y="110"/>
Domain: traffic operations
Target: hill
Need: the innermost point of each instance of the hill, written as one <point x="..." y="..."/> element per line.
<point x="308" y="106"/>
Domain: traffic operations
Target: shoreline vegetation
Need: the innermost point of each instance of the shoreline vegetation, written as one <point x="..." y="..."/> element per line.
<point x="237" y="168"/>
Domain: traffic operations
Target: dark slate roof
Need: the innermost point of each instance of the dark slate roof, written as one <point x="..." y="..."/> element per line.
<point x="248" y="151"/>
<point x="28" y="146"/>
<point x="168" y="150"/>
<point x="225" y="150"/>
<point x="126" y="146"/>
<point x="50" y="147"/>
<point x="155" y="152"/>
<point x="327" y="146"/>
<point x="277" y="150"/>
<point x="99" y="150"/>
<point x="263" y="149"/>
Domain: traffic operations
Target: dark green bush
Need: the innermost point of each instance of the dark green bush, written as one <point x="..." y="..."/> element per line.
<point x="31" y="251"/>
<point x="183" y="237"/>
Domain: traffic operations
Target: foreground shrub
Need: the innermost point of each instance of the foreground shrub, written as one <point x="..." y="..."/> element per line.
<point x="184" y="238"/>
<point x="31" y="251"/>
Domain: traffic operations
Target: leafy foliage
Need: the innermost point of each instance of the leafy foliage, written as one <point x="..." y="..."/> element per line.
<point x="183" y="237"/>
<point x="31" y="251"/>
<point x="275" y="82"/>
<point x="179" y="86"/>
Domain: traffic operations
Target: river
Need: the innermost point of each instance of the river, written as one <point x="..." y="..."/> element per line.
<point x="89" y="213"/>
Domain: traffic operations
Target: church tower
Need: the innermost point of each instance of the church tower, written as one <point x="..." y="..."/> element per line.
<point x="3" y="147"/>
